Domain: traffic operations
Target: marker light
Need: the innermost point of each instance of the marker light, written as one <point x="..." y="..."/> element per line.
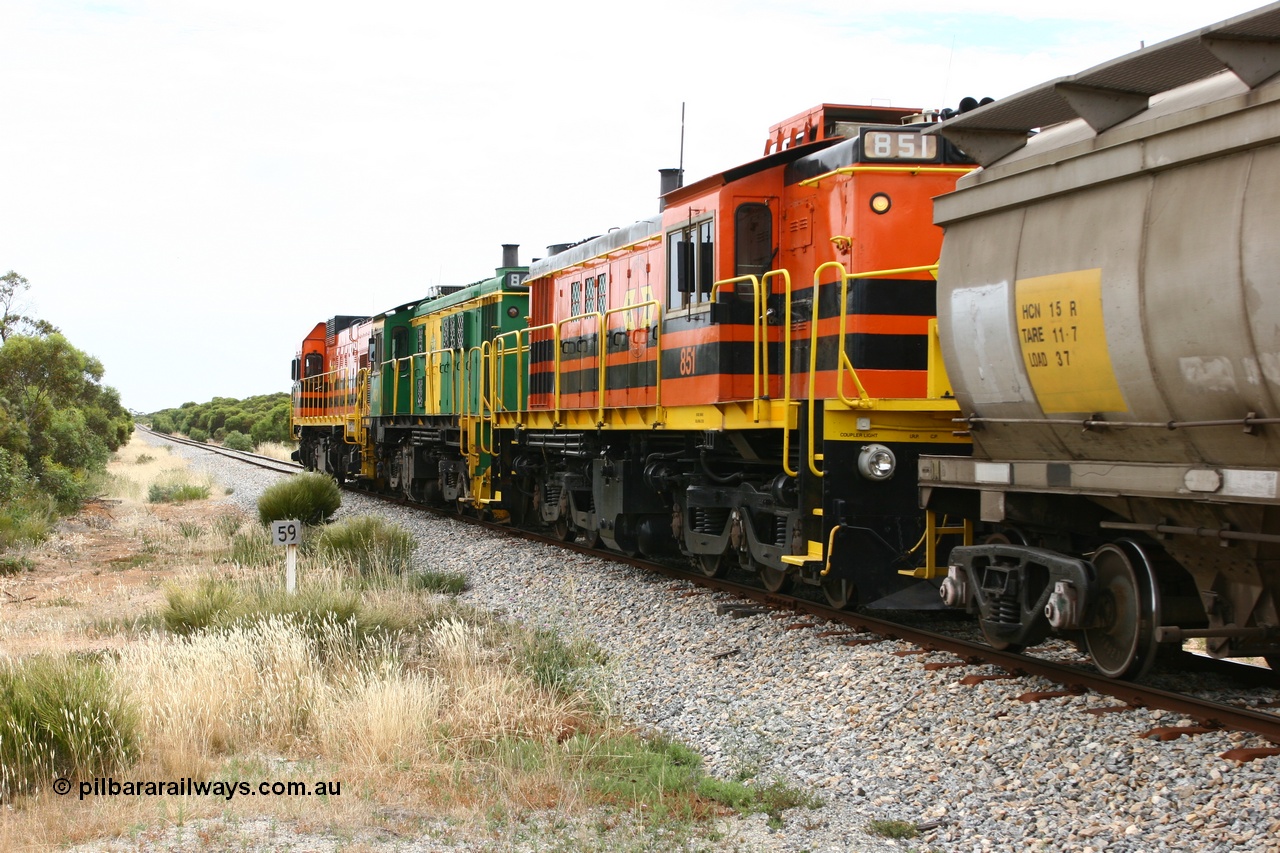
<point x="880" y="203"/>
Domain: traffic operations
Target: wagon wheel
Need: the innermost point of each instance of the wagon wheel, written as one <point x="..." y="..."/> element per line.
<point x="563" y="530"/>
<point x="1125" y="613"/>
<point x="712" y="565"/>
<point x="999" y="644"/>
<point x="1005" y="536"/>
<point x="840" y="592"/>
<point x="774" y="580"/>
<point x="591" y="538"/>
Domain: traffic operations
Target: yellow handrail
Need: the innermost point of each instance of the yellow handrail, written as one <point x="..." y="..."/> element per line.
<point x="500" y="359"/>
<point x="843" y="363"/>
<point x="786" y="368"/>
<point x="394" y="363"/>
<point x="486" y="402"/>
<point x="555" y="369"/>
<point x="815" y="315"/>
<point x="334" y="393"/>
<point x="357" y="434"/>
<point x="433" y="394"/>
<point x="578" y="318"/>
<point x="864" y="400"/>
<point x="759" y="364"/>
<point x="657" y="376"/>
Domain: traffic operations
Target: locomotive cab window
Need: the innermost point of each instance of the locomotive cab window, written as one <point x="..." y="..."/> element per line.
<point x="690" y="265"/>
<point x="313" y="365"/>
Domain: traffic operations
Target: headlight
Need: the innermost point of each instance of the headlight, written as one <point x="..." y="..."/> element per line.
<point x="876" y="462"/>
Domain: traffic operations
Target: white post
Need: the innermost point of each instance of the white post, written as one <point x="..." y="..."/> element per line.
<point x="288" y="533"/>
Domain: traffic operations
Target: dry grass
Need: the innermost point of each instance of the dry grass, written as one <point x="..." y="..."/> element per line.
<point x="276" y="450"/>
<point x="423" y="709"/>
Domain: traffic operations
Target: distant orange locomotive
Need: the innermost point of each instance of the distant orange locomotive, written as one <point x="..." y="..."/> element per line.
<point x="746" y="378"/>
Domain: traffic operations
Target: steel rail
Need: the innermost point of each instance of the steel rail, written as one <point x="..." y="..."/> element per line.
<point x="1208" y="714"/>
<point x="268" y="462"/>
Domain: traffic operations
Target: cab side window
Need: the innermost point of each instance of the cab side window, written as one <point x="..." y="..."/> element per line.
<point x="690" y="265"/>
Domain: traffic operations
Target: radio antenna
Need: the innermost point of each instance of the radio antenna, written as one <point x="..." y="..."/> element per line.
<point x="680" y="174"/>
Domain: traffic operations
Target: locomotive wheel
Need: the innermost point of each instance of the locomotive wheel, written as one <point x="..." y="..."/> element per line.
<point x="1127" y="610"/>
<point x="840" y="592"/>
<point x="712" y="565"/>
<point x="591" y="538"/>
<point x="774" y="580"/>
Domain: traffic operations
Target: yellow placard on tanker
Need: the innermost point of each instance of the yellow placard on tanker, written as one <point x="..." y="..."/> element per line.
<point x="1064" y="342"/>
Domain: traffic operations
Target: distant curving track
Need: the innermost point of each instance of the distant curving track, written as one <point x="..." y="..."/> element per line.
<point x="1209" y="715"/>
<point x="270" y="463"/>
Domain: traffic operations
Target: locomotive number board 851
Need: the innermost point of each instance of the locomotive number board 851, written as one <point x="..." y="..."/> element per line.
<point x="880" y="144"/>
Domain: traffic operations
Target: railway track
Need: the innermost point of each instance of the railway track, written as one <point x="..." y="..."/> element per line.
<point x="1207" y="714"/>
<point x="269" y="463"/>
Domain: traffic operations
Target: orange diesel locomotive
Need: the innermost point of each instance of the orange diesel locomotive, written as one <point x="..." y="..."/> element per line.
<point x="746" y="378"/>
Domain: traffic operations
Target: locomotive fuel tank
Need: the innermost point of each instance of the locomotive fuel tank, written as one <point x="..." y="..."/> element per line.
<point x="1109" y="309"/>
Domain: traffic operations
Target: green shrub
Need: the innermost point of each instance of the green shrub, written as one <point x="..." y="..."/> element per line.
<point x="162" y="424"/>
<point x="226" y="524"/>
<point x="175" y="493"/>
<point x="555" y="664"/>
<point x="68" y="487"/>
<point x="210" y="603"/>
<point x="13" y="475"/>
<point x="634" y="769"/>
<point x="26" y="520"/>
<point x="310" y="498"/>
<point x="198" y="434"/>
<point x="893" y="828"/>
<point x="368" y="544"/>
<point x="448" y="583"/>
<point x="236" y="440"/>
<point x="61" y="717"/>
<point x="253" y="547"/>
<point x="12" y="564"/>
<point x="216" y="604"/>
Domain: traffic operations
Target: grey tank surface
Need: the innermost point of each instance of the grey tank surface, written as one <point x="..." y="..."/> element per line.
<point x="1109" y="312"/>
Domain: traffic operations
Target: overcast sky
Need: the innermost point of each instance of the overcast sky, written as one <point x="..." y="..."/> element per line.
<point x="191" y="185"/>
